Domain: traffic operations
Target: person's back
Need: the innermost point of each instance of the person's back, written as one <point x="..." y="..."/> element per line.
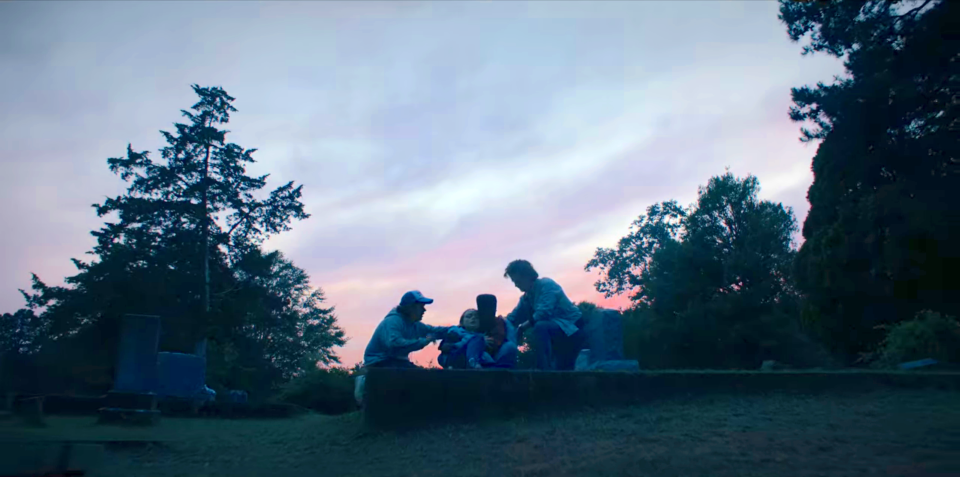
<point x="397" y="335"/>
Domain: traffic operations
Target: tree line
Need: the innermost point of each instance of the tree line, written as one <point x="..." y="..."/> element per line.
<point x="718" y="284"/>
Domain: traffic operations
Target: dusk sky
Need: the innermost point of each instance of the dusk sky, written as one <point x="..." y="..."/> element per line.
<point x="436" y="142"/>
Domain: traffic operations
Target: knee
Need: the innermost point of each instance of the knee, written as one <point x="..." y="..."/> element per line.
<point x="508" y="349"/>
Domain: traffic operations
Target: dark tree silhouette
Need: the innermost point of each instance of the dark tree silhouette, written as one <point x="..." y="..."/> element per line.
<point x="881" y="233"/>
<point x="186" y="245"/>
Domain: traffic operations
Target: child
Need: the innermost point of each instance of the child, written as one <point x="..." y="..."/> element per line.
<point x="499" y="352"/>
<point x="463" y="345"/>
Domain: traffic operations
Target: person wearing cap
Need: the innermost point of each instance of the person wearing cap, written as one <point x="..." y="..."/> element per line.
<point x="545" y="309"/>
<point x="400" y="333"/>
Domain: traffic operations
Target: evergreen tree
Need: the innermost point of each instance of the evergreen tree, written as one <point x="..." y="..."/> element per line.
<point x="881" y="233"/>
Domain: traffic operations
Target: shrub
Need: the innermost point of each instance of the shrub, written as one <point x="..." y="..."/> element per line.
<point x="709" y="336"/>
<point x="325" y="390"/>
<point x="927" y="335"/>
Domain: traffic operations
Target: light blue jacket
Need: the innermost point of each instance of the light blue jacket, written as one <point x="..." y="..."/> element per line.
<point x="396" y="338"/>
<point x="546" y="301"/>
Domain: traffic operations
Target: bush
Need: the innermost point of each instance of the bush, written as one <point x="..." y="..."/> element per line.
<point x="712" y="337"/>
<point x="928" y="335"/>
<point x="325" y="390"/>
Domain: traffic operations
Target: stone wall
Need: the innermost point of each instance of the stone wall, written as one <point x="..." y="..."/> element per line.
<point x="397" y="398"/>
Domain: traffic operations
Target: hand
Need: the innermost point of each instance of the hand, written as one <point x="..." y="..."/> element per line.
<point x="489" y="340"/>
<point x="430" y="338"/>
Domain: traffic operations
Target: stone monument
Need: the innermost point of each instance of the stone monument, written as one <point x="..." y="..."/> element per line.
<point x="133" y="398"/>
<point x="604" y="343"/>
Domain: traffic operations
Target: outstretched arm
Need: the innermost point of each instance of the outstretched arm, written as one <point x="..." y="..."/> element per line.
<point x="395" y="340"/>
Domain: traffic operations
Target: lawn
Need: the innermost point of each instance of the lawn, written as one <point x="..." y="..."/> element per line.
<point x="910" y="433"/>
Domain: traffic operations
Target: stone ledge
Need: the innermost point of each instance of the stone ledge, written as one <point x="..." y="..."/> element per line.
<point x="396" y="398"/>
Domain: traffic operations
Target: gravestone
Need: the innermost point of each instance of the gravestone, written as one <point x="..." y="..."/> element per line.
<point x="133" y="397"/>
<point x="604" y="343"/>
<point x="180" y="375"/>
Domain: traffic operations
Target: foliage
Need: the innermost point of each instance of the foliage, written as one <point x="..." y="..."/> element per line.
<point x="880" y="235"/>
<point x="624" y="266"/>
<point x="710" y="284"/>
<point x="928" y="335"/>
<point x="21" y="332"/>
<point x="266" y="321"/>
<point x="325" y="390"/>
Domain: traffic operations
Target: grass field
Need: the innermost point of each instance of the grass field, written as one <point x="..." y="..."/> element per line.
<point x="908" y="433"/>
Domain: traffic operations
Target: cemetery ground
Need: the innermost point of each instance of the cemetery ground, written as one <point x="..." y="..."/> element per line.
<point x="894" y="432"/>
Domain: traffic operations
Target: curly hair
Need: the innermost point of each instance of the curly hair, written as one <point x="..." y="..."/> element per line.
<point x="520" y="268"/>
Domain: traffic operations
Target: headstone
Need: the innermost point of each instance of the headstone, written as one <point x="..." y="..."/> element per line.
<point x="133" y="398"/>
<point x="180" y="375"/>
<point x="137" y="355"/>
<point x="604" y="330"/>
<point x="604" y="343"/>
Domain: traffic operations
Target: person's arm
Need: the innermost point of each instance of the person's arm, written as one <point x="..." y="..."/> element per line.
<point x="521" y="313"/>
<point x="439" y="331"/>
<point x="395" y="340"/>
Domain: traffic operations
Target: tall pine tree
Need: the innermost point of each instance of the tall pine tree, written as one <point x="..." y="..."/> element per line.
<point x="185" y="245"/>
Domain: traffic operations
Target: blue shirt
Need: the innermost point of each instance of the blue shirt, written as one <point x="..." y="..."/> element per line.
<point x="546" y="301"/>
<point x="396" y="338"/>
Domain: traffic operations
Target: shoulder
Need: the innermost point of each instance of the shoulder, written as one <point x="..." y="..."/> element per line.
<point x="392" y="318"/>
<point x="547" y="283"/>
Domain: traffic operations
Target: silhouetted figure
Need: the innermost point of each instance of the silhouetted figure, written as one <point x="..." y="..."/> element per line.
<point x="500" y="351"/>
<point x="400" y="333"/>
<point x="544" y="307"/>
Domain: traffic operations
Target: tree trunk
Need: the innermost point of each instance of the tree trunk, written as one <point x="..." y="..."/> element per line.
<point x="201" y="348"/>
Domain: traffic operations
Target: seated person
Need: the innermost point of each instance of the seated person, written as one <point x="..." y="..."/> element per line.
<point x="400" y="333"/>
<point x="480" y="340"/>
<point x="499" y="351"/>
<point x="463" y="346"/>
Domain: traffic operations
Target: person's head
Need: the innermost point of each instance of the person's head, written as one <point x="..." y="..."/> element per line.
<point x="522" y="274"/>
<point x="470" y="320"/>
<point x="413" y="305"/>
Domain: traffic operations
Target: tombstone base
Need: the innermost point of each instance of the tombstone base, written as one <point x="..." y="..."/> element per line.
<point x="139" y="417"/>
<point x="131" y="400"/>
<point x="130" y="408"/>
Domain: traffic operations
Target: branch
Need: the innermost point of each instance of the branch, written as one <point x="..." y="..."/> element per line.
<point x="246" y="215"/>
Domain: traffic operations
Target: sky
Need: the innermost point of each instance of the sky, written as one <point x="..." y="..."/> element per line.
<point x="435" y="141"/>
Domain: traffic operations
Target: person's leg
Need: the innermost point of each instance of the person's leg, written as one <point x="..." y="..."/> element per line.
<point x="543" y="334"/>
<point x="506" y="356"/>
<point x="474" y="351"/>
<point x="568" y="349"/>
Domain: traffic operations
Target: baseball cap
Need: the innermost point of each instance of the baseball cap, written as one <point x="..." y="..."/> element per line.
<point x="414" y="296"/>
